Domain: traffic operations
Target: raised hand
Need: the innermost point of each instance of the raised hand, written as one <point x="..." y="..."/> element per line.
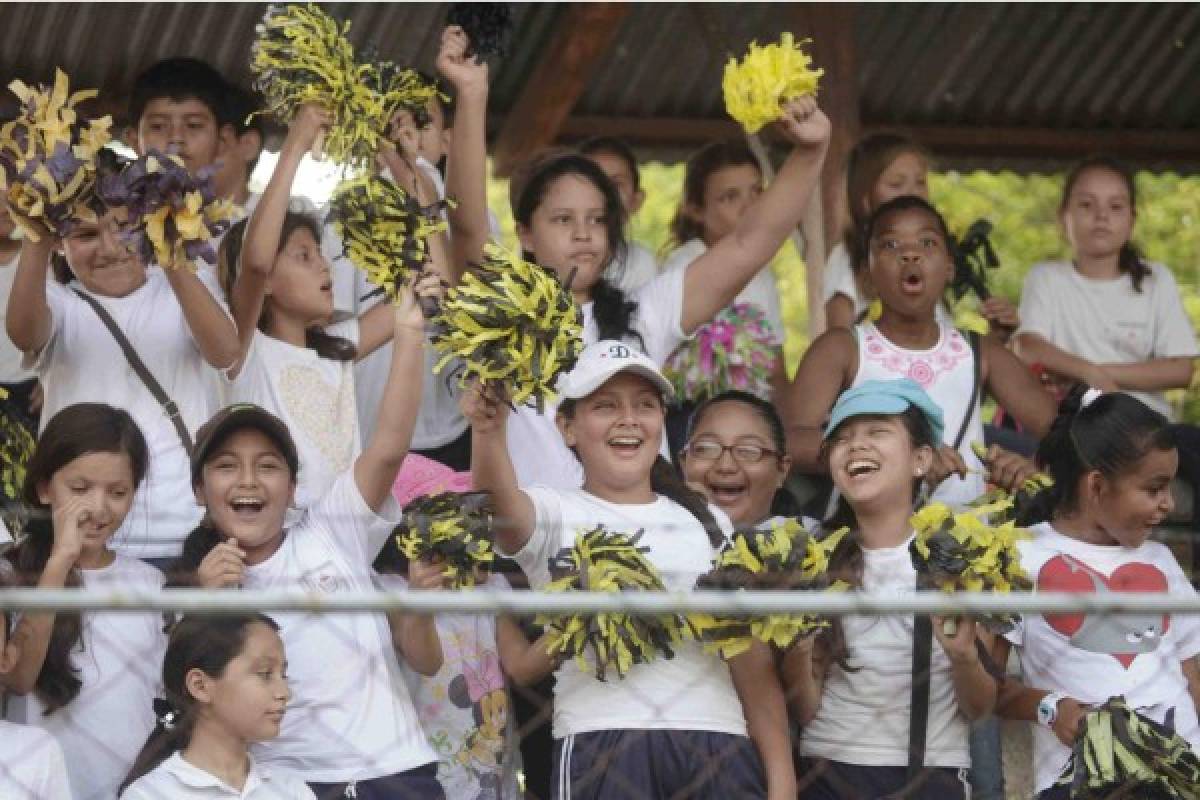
<point x="223" y="567"/>
<point x="308" y="126"/>
<point x="465" y="73"/>
<point x="803" y="123"/>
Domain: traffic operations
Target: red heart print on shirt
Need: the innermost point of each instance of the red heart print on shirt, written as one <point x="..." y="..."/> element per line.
<point x="1122" y="636"/>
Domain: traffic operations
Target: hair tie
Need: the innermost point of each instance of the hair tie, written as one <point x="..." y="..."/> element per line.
<point x="166" y="716"/>
<point x="1089" y="397"/>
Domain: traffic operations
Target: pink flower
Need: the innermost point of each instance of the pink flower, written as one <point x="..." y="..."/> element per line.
<point x="921" y="372"/>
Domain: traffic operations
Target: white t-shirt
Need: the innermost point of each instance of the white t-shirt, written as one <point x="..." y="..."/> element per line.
<point x="119" y="660"/>
<point x="475" y="759"/>
<point x="31" y="764"/>
<point x="82" y="362"/>
<point x="864" y="714"/>
<point x="537" y="449"/>
<point x="1093" y="658"/>
<point x="176" y="779"/>
<point x="693" y="690"/>
<point x="1107" y="322"/>
<point x="947" y="374"/>
<point x="638" y="269"/>
<point x="761" y="291"/>
<point x="839" y="279"/>
<point x="350" y="717"/>
<point x="314" y="396"/>
<point x="11" y="368"/>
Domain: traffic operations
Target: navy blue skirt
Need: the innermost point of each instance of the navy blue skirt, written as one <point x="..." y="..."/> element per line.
<point x="821" y="779"/>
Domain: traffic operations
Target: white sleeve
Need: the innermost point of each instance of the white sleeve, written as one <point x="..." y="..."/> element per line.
<point x="1037" y="309"/>
<point x="839" y="277"/>
<point x="1173" y="332"/>
<point x="52" y="783"/>
<point x="660" y="313"/>
<point x="544" y="542"/>
<point x="59" y="301"/>
<point x="352" y="526"/>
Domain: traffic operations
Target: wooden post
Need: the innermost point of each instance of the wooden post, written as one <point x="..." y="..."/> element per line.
<point x="582" y="35"/>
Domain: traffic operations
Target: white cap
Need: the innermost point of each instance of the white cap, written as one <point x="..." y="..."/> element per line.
<point x="600" y="361"/>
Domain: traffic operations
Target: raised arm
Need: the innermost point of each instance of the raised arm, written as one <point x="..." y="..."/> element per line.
<point x="261" y="243"/>
<point x="466" y="166"/>
<point x="824" y="373"/>
<point x="714" y="279"/>
<point x="29" y="322"/>
<point x="492" y="469"/>
<point x="211" y="328"/>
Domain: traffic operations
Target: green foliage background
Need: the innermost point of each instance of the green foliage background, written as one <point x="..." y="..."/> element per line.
<point x="1022" y="209"/>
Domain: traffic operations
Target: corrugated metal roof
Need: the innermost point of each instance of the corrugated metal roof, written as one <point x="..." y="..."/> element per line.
<point x="1004" y="65"/>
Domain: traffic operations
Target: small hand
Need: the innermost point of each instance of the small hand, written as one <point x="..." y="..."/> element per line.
<point x="1007" y="470"/>
<point x="465" y="73"/>
<point x="310" y="122"/>
<point x="1069" y="720"/>
<point x="946" y="462"/>
<point x="803" y="123"/>
<point x="68" y="518"/>
<point x="1000" y="312"/>
<point x="223" y="567"/>
<point x="480" y="405"/>
<point x="424" y="574"/>
<point x="959" y="645"/>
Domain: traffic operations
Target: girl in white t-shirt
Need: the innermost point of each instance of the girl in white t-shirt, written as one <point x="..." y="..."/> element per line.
<point x="295" y="364"/>
<point x="225" y="685"/>
<point x="656" y="729"/>
<point x="569" y="219"/>
<point x="909" y="267"/>
<point x="1112" y="459"/>
<point x="178" y="329"/>
<point x="352" y="727"/>
<point x="88" y="679"/>
<point x="1108" y="318"/>
<point x="852" y="688"/>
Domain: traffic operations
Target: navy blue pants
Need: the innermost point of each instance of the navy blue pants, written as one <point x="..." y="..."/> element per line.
<point x="820" y="779"/>
<point x="657" y="765"/>
<point x="420" y="783"/>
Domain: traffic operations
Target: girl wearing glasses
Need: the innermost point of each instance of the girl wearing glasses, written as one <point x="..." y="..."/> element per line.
<point x="736" y="453"/>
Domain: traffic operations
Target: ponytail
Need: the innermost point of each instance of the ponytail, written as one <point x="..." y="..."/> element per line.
<point x="613" y="312"/>
<point x="196" y="547"/>
<point x="172" y="732"/>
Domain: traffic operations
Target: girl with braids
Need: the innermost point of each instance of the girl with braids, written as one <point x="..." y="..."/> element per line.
<point x="851" y="688"/>
<point x="1112" y="459"/>
<point x="225" y="686"/>
<point x="1107" y="318"/>
<point x="80" y="674"/>
<point x="569" y="219"/>
<point x="653" y="731"/>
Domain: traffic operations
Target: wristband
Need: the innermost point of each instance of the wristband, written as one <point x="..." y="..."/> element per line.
<point x="1047" y="708"/>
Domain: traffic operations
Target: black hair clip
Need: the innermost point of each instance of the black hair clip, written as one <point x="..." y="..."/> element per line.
<point x="165" y="714"/>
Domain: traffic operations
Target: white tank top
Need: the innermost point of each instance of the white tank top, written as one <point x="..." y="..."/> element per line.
<point x="947" y="374"/>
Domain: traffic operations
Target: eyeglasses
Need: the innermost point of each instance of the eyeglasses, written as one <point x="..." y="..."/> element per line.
<point x="710" y="450"/>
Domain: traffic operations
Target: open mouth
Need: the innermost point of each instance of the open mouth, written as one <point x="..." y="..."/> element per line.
<point x="726" y="494"/>
<point x="247" y="507"/>
<point x="912" y="282"/>
<point x="860" y="467"/>
<point x="625" y="445"/>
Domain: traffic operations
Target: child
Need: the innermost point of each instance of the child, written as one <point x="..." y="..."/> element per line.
<point x="852" y="688"/>
<point x="171" y="320"/>
<point x="463" y="703"/>
<point x="88" y="678"/>
<point x="1112" y="459"/>
<point x="237" y="163"/>
<point x="15" y="378"/>
<point x="882" y="166"/>
<point x="225" y="684"/>
<point x="294" y="363"/>
<point x="909" y="266"/>
<point x="1109" y="318"/>
<point x="611" y="740"/>
<point x="569" y="220"/>
<point x="351" y="727"/>
<point x="736" y="452"/>
<point x="616" y="159"/>
<point x="31" y="762"/>
<point x="721" y="183"/>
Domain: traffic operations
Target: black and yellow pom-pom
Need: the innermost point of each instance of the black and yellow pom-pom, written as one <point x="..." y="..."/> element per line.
<point x="784" y="557"/>
<point x="48" y="157"/>
<point x="486" y="25"/>
<point x="384" y="230"/>
<point x="767" y="76"/>
<point x="401" y="89"/>
<point x="961" y="552"/>
<point x="302" y="55"/>
<point x="606" y="561"/>
<point x="452" y="529"/>
<point x="1120" y="753"/>
<point x="513" y="323"/>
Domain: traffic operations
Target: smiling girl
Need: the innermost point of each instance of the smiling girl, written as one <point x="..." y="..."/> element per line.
<point x="80" y="673"/>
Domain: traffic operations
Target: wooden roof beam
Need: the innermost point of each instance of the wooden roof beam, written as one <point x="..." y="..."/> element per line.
<point x="581" y="37"/>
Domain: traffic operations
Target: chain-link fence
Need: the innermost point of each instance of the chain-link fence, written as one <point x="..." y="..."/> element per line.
<point x="492" y="736"/>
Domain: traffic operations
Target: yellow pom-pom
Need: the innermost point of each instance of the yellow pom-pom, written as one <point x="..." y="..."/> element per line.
<point x="765" y="78"/>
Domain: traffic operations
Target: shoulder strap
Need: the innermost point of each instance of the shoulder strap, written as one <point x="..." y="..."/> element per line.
<point x="148" y="380"/>
<point x="919" y="705"/>
<point x="977" y="366"/>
